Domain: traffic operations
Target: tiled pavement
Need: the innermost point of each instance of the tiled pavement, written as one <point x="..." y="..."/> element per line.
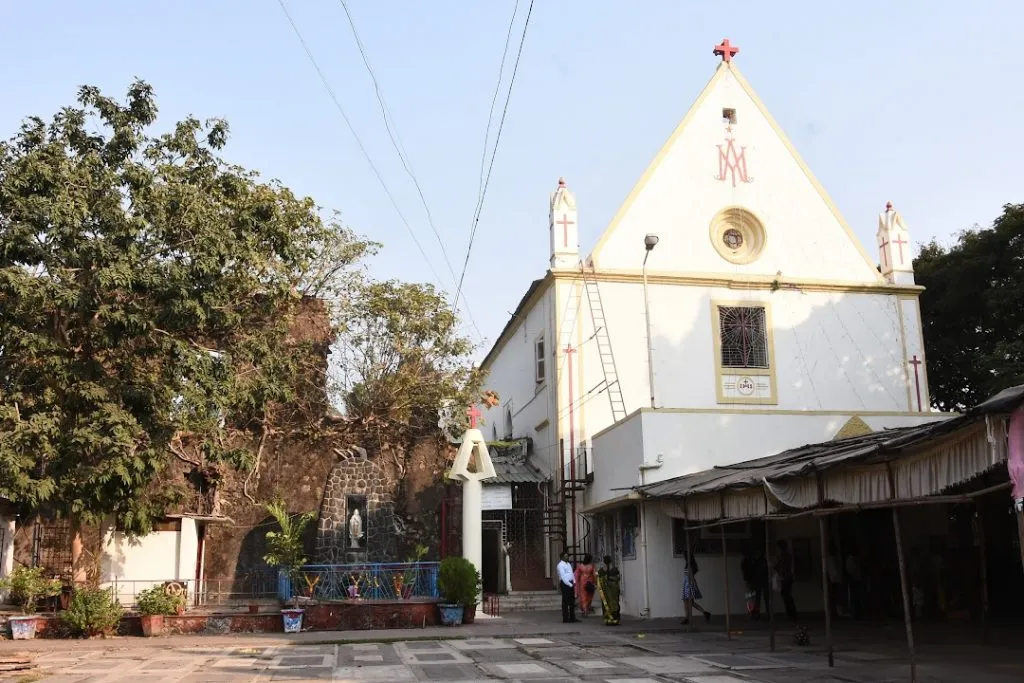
<point x="597" y="657"/>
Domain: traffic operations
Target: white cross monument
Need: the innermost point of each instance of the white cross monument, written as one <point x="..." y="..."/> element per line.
<point x="472" y="465"/>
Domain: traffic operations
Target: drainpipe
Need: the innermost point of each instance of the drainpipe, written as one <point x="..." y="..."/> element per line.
<point x="643" y="534"/>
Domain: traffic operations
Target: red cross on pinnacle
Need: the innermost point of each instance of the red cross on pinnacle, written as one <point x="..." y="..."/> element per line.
<point x="473" y="415"/>
<point x="725" y="50"/>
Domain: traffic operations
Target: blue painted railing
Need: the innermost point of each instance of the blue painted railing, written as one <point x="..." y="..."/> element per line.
<point x="368" y="581"/>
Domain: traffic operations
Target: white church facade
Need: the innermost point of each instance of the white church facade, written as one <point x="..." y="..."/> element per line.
<point x="728" y="312"/>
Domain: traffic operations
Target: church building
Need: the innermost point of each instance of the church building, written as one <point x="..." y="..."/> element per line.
<point x="726" y="313"/>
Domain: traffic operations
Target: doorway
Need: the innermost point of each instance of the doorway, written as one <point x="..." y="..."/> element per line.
<point x="490" y="572"/>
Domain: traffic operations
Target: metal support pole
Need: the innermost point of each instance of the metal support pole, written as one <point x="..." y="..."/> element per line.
<point x="650" y="348"/>
<point x="1020" y="533"/>
<point x="725" y="571"/>
<point x="689" y="603"/>
<point x="768" y="592"/>
<point x="905" y="589"/>
<point x="826" y="588"/>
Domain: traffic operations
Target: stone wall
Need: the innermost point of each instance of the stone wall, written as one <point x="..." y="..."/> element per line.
<point x="356" y="482"/>
<point x="402" y="506"/>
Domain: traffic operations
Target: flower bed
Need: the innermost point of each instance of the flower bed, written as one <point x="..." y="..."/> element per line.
<point x="347" y="615"/>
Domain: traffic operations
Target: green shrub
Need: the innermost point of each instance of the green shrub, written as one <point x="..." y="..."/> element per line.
<point x="155" y="600"/>
<point x="459" y="581"/>
<point x="92" y="612"/>
<point x="28" y="585"/>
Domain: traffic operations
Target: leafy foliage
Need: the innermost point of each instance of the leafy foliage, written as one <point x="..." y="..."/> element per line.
<point x="155" y="600"/>
<point x="28" y="585"/>
<point x="404" y="356"/>
<point x="92" y="612"/>
<point x="972" y="312"/>
<point x="285" y="547"/>
<point x="459" y="581"/>
<point x="146" y="293"/>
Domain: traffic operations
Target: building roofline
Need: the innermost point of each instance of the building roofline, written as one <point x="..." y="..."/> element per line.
<point x="526" y="304"/>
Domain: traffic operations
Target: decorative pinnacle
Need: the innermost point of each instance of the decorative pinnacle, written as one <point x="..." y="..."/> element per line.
<point x="561" y="182"/>
<point x="888" y="206"/>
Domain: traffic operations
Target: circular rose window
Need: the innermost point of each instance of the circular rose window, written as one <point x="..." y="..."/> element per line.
<point x="737" y="235"/>
<point x="733" y="238"/>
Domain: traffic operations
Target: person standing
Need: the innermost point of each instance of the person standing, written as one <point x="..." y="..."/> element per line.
<point x="691" y="592"/>
<point x="567" y="582"/>
<point x="608" y="583"/>
<point x="586" y="583"/>
<point x="784" y="570"/>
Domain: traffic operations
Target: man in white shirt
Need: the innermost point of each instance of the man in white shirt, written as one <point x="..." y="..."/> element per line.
<point x="567" y="582"/>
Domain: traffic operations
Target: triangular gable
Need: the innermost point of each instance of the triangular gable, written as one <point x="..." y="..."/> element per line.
<point x="696" y="176"/>
<point x="853" y="427"/>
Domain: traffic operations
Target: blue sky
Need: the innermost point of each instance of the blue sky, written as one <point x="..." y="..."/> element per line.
<point x="918" y="102"/>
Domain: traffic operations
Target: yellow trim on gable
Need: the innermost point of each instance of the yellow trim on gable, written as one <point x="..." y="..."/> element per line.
<point x="903" y="349"/>
<point x="807" y="171"/>
<point x="653" y="166"/>
<point x="594" y="258"/>
<point x="927" y="399"/>
<point x="739" y="281"/>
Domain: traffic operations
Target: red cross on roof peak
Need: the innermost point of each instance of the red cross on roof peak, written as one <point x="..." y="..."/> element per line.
<point x="473" y="415"/>
<point x="725" y="50"/>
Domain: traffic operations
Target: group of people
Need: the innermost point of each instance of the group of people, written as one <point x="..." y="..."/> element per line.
<point x="583" y="581"/>
<point x="757" y="579"/>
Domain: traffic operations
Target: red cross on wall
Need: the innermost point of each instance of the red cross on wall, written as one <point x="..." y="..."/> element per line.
<point x="883" y="245"/>
<point x="473" y="415"/>
<point x="725" y="50"/>
<point x="915" y="361"/>
<point x="565" y="223"/>
<point x="900" y="241"/>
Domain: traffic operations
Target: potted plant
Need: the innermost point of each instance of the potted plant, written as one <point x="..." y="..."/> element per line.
<point x="27" y="586"/>
<point x="459" y="583"/>
<point x="154" y="604"/>
<point x="91" y="612"/>
<point x="285" y="551"/>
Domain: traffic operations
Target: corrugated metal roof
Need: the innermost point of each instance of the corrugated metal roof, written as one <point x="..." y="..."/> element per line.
<point x="1005" y="401"/>
<point x="803" y="460"/>
<point x="509" y="471"/>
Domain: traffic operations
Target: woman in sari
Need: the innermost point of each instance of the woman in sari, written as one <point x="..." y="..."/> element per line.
<point x="586" y="584"/>
<point x="608" y="585"/>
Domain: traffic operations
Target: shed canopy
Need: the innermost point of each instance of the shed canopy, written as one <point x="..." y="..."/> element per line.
<point x="512" y="471"/>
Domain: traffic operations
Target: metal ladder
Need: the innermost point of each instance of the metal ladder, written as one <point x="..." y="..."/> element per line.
<point x="604" y="347"/>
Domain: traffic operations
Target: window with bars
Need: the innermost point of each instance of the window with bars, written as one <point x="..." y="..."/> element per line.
<point x="744" y="337"/>
<point x="538" y="361"/>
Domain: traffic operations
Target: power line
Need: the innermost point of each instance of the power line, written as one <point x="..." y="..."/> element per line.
<point x="396" y="142"/>
<point x="359" y="142"/>
<point x="497" y="141"/>
<point x="494" y="100"/>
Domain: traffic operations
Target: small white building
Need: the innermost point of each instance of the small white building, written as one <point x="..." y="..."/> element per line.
<point x="727" y="312"/>
<point x="174" y="552"/>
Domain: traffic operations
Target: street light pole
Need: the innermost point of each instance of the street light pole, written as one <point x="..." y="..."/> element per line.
<point x="650" y="241"/>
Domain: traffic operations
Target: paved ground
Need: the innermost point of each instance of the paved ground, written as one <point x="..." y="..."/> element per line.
<point x="530" y="649"/>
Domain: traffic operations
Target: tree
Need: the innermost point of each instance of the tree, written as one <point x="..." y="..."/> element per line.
<point x="146" y="293"/>
<point x="404" y="358"/>
<point x="973" y="313"/>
